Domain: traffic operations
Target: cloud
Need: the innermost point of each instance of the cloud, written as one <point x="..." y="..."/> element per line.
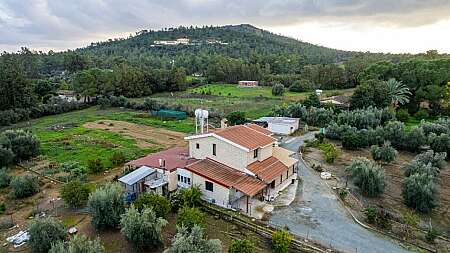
<point x="72" y="23"/>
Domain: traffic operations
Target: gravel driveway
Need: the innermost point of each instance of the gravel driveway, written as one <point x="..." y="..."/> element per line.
<point x="317" y="214"/>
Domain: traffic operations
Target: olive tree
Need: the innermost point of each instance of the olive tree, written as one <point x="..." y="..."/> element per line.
<point x="142" y="229"/>
<point x="192" y="241"/>
<point x="6" y="157"/>
<point x="45" y="232"/>
<point x="189" y="217"/>
<point x="368" y="176"/>
<point x="24" y="186"/>
<point x="24" y="145"/>
<point x="420" y="192"/>
<point x="385" y="153"/>
<point x="78" y="244"/>
<point x="278" y="89"/>
<point x="159" y="204"/>
<point x="5" y="178"/>
<point x="106" y="206"/>
<point x="75" y="193"/>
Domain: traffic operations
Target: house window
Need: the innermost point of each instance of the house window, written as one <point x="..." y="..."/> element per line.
<point x="179" y="178"/>
<point x="209" y="186"/>
<point x="287" y="173"/>
<point x="281" y="179"/>
<point x="255" y="153"/>
<point x="197" y="145"/>
<point x="214" y="149"/>
<point x="189" y="181"/>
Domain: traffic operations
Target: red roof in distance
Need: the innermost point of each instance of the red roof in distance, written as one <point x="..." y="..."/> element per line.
<point x="174" y="158"/>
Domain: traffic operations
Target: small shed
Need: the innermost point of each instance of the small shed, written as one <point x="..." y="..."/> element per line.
<point x="134" y="181"/>
<point x="279" y="125"/>
<point x="248" y="83"/>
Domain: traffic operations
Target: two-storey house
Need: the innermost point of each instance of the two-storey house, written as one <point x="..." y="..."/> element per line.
<point x="237" y="166"/>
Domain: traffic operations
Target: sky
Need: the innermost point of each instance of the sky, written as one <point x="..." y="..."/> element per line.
<point x="396" y="26"/>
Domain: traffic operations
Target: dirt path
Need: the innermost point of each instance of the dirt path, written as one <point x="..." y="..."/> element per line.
<point x="146" y="136"/>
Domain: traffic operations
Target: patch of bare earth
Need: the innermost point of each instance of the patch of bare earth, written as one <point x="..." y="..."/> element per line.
<point x="145" y="136"/>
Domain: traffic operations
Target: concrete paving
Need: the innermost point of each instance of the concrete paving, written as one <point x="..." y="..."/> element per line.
<point x="317" y="215"/>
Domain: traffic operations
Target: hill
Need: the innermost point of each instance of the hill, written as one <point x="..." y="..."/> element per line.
<point x="244" y="42"/>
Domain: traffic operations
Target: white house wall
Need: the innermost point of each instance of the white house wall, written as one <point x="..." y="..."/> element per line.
<point x="282" y="128"/>
<point x="220" y="194"/>
<point x="226" y="153"/>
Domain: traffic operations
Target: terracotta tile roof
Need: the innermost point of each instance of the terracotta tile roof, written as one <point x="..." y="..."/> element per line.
<point x="174" y="158"/>
<point x="245" y="136"/>
<point x="267" y="169"/>
<point x="226" y="176"/>
<point x="259" y="129"/>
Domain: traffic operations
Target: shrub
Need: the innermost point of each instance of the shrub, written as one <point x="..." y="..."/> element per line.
<point x="78" y="244"/>
<point x="2" y="208"/>
<point x="385" y="153"/>
<point x="159" y="204"/>
<point x="278" y="89"/>
<point x="45" y="232"/>
<point x="312" y="101"/>
<point x="431" y="235"/>
<point x="189" y="197"/>
<point x="351" y="141"/>
<point x="402" y="115"/>
<point x="5" y="178"/>
<point x="142" y="229"/>
<point x="118" y="158"/>
<point x="421" y="114"/>
<point x="24" y="186"/>
<point x="6" y="157"/>
<point x="394" y="132"/>
<point x="242" y="246"/>
<point x="368" y="176"/>
<point x="320" y="137"/>
<point x="301" y="85"/>
<point x="24" y="145"/>
<point x="281" y="240"/>
<point x="104" y="102"/>
<point x="95" y="166"/>
<point x="189" y="217"/>
<point x="330" y="152"/>
<point x="371" y="215"/>
<point x="419" y="192"/>
<point x="191" y="240"/>
<point x="422" y="168"/>
<point x="415" y="139"/>
<point x="440" y="143"/>
<point x="436" y="159"/>
<point x="106" y="205"/>
<point x="236" y="118"/>
<point x="75" y="193"/>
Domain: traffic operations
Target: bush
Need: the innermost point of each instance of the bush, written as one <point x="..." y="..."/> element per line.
<point x="189" y="217"/>
<point x="242" y="246"/>
<point x="402" y="115"/>
<point x="95" y="166"/>
<point x="45" y="232"/>
<point x="281" y="240"/>
<point x="75" y="193"/>
<point x="24" y="186"/>
<point x="189" y="197"/>
<point x="419" y="192"/>
<point x="368" y="176"/>
<point x="24" y="145"/>
<point x="422" y="114"/>
<point x="415" y="139"/>
<point x="385" y="153"/>
<point x="371" y="215"/>
<point x="431" y="235"/>
<point x="436" y="159"/>
<point x="312" y="101"/>
<point x="118" y="158"/>
<point x="440" y="143"/>
<point x="351" y="141"/>
<point x="5" y="178"/>
<point x="236" y="118"/>
<point x="142" y="229"/>
<point x="394" y="132"/>
<point x="78" y="244"/>
<point x="159" y="204"/>
<point x="191" y="240"/>
<point x="2" y="208"/>
<point x="106" y="205"/>
<point x="278" y="89"/>
<point x="421" y="168"/>
<point x="377" y="217"/>
<point x="301" y="85"/>
<point x="330" y="152"/>
<point x="6" y="157"/>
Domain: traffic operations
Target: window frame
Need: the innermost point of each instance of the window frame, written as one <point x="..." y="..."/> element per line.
<point x="208" y="183"/>
<point x="255" y="153"/>
<point x="214" y="149"/>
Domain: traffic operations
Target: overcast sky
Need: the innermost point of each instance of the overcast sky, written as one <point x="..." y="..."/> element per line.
<point x="363" y="25"/>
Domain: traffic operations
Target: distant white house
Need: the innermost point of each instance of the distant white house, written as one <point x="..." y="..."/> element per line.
<point x="279" y="125"/>
<point x="180" y="41"/>
<point x="68" y="95"/>
<point x="248" y="83"/>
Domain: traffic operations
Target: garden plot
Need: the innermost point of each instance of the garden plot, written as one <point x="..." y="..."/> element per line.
<point x="145" y="136"/>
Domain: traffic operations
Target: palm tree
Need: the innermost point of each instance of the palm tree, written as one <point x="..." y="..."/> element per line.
<point x="397" y="92"/>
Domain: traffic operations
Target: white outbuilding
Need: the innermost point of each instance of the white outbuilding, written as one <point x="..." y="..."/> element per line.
<point x="279" y="125"/>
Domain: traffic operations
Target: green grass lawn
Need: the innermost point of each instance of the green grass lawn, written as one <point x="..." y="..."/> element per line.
<point x="76" y="143"/>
